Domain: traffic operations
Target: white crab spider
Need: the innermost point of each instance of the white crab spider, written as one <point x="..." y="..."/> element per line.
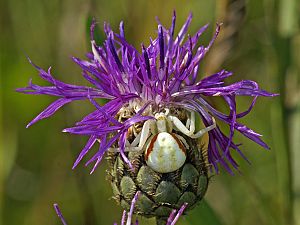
<point x="165" y="151"/>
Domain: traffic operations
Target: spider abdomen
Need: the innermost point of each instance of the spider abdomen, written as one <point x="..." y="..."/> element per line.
<point x="165" y="153"/>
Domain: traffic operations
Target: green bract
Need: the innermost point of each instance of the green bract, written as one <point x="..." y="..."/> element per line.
<point x="160" y="193"/>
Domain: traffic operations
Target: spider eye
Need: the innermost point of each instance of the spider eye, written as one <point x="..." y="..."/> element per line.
<point x="165" y="153"/>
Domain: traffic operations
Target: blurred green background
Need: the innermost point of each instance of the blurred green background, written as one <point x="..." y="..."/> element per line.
<point x="259" y="40"/>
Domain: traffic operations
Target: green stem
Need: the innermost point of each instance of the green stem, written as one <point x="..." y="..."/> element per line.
<point x="280" y="113"/>
<point x="283" y="155"/>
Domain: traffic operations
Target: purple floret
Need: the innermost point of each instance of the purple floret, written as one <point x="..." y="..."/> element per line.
<point x="164" y="74"/>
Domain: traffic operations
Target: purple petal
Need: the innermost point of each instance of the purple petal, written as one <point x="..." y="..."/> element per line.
<point x="59" y="214"/>
<point x="50" y="110"/>
<point x="85" y="150"/>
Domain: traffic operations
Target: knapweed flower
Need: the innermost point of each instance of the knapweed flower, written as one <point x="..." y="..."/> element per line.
<point x="148" y="126"/>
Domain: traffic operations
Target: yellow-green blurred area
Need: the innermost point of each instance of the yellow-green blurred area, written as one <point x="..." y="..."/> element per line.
<point x="259" y="40"/>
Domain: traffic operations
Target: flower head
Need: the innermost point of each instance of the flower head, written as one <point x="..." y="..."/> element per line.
<point x="162" y="78"/>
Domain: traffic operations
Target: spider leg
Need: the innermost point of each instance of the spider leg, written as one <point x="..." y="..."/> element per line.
<point x="192" y="124"/>
<point x="167" y="111"/>
<point x="127" y="149"/>
<point x="145" y="133"/>
<point x="139" y="141"/>
<point x="127" y="143"/>
<point x="141" y="137"/>
<point x="180" y="126"/>
<point x="203" y="131"/>
<point x="136" y="140"/>
<point x="188" y="122"/>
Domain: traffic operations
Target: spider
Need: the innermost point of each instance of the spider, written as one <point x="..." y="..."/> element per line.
<point x="165" y="150"/>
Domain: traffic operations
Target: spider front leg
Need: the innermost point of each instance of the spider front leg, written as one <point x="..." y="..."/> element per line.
<point x="206" y="129"/>
<point x="140" y="140"/>
<point x="192" y="122"/>
<point x="190" y="132"/>
<point x="187" y="129"/>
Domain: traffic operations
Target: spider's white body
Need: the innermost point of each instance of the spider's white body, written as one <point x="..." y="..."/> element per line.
<point x="165" y="151"/>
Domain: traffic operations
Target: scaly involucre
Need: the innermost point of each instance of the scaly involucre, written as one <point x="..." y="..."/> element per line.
<point x="163" y="74"/>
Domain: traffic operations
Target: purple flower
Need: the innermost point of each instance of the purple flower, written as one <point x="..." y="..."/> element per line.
<point x="140" y="84"/>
